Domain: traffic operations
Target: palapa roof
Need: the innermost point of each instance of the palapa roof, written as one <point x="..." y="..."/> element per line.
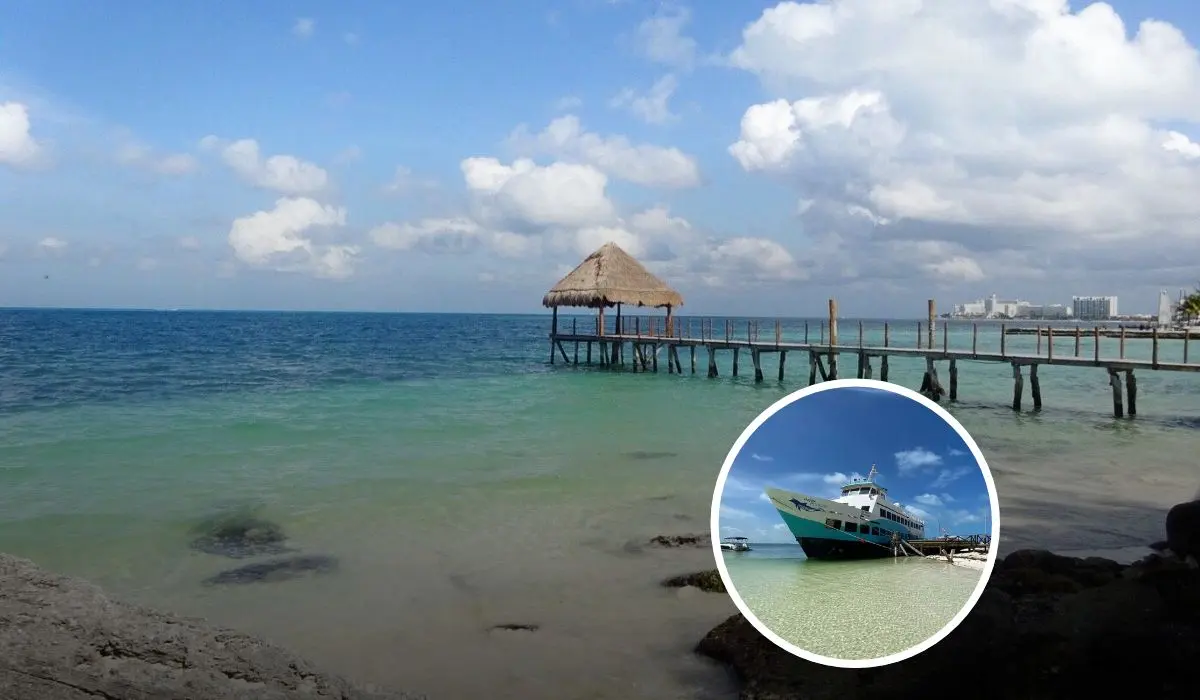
<point x="608" y="277"/>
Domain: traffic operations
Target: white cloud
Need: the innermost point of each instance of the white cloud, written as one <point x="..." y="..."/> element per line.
<point x="652" y="106"/>
<point x="50" y="244"/>
<point x="929" y="499"/>
<point x="661" y="39"/>
<point x="761" y="458"/>
<point x="189" y="243"/>
<point x="992" y="127"/>
<point x="454" y="235"/>
<point x="559" y="194"/>
<point x="304" y="27"/>
<point x="17" y="145"/>
<point x="735" y="513"/>
<point x="284" y="174"/>
<point x="137" y="155"/>
<point x="916" y="459"/>
<point x="642" y="164"/>
<point x="919" y="512"/>
<point x="946" y="477"/>
<point x="281" y="239"/>
<point x="570" y="103"/>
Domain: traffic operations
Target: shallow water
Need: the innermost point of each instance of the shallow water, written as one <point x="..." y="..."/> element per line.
<point x="851" y="609"/>
<point x="462" y="482"/>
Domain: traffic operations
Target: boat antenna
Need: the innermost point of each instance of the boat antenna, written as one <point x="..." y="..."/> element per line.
<point x="871" y="476"/>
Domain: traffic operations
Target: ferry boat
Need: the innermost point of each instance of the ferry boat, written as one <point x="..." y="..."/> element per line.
<point x="736" y="544"/>
<point x="861" y="523"/>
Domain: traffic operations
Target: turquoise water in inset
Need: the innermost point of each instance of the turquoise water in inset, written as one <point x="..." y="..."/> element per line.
<point x="856" y="610"/>
<point x="463" y="481"/>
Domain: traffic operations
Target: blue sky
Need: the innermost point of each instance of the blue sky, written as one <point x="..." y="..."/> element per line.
<point x="815" y="444"/>
<point x="462" y="156"/>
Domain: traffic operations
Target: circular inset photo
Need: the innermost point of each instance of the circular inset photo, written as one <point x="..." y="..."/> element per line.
<point x="856" y="523"/>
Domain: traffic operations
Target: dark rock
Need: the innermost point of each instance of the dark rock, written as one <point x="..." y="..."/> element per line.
<point x="1047" y="626"/>
<point x="239" y="535"/>
<point x="276" y="570"/>
<point x="1183" y="529"/>
<point x="693" y="540"/>
<point x="709" y="581"/>
<point x="64" y="639"/>
<point x="515" y="627"/>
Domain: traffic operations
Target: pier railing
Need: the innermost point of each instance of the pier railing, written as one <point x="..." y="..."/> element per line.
<point x="934" y="340"/>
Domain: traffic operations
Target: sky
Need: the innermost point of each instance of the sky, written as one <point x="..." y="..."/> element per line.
<point x="463" y="156"/>
<point x="817" y="443"/>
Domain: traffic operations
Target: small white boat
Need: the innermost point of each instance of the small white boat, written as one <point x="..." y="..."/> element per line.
<point x="735" y="544"/>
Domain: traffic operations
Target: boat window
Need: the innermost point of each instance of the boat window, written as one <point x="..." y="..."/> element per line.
<point x="866" y="508"/>
<point x="851" y="527"/>
<point x="874" y="530"/>
<point x="836" y="524"/>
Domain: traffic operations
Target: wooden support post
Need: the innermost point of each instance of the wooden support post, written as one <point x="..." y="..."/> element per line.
<point x="562" y="351"/>
<point x="735" y="362"/>
<point x="712" y="361"/>
<point x="1018" y="386"/>
<point x="1131" y="392"/>
<point x="1049" y="345"/>
<point x="953" y="380"/>
<point x="654" y="358"/>
<point x="930" y="386"/>
<point x="617" y="326"/>
<point x="1003" y="341"/>
<point x="758" y="375"/>
<point x="861" y="369"/>
<point x="1096" y="344"/>
<point x="1035" y="387"/>
<point x="778" y="332"/>
<point x="833" y="339"/>
<point x="670" y="358"/>
<point x="883" y="368"/>
<point x="932" y="316"/>
<point x="1115" y="382"/>
<point x="1122" y="348"/>
<point x="806" y="332"/>
<point x="1039" y="339"/>
<point x="812" y="368"/>
<point x="553" y="330"/>
<point x="1187" y="335"/>
<point x="728" y="330"/>
<point x="1078" y="337"/>
<point x="945" y="337"/>
<point x="782" y="362"/>
<point x="749" y="331"/>
<point x="637" y="326"/>
<point x="919" y="331"/>
<point x="822" y="340"/>
<point x="576" y="352"/>
<point x="866" y="366"/>
<point x="1153" y="359"/>
<point x="692" y="349"/>
<point x="886" y="335"/>
<point x="860" y="334"/>
<point x="589" y="352"/>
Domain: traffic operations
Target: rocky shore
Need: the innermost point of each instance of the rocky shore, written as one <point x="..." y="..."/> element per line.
<point x="1047" y="626"/>
<point x="64" y="639"/>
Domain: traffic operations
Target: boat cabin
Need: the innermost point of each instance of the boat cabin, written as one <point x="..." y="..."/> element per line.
<point x="867" y="495"/>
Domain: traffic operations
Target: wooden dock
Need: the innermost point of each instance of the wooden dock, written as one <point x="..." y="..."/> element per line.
<point x="648" y="338"/>
<point x="1123" y="333"/>
<point x="953" y="545"/>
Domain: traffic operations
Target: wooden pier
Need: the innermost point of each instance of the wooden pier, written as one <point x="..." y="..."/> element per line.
<point x="953" y="545"/>
<point x="610" y="277"/>
<point x="1122" y="332"/>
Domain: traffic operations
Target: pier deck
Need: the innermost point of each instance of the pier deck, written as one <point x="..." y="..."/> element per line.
<point x="647" y="338"/>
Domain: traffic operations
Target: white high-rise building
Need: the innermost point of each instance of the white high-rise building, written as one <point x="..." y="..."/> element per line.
<point x="1094" y="308"/>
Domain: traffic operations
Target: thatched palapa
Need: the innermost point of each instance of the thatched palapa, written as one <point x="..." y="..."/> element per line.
<point x="610" y="277"/>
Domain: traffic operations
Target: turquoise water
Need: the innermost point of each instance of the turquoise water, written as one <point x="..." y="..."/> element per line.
<point x="464" y="482"/>
<point x="850" y="609"/>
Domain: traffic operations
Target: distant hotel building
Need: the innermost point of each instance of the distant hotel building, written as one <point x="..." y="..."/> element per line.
<point x="994" y="307"/>
<point x="1094" y="308"/>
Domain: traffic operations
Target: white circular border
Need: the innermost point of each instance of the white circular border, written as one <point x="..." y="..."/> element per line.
<point x="720" y="489"/>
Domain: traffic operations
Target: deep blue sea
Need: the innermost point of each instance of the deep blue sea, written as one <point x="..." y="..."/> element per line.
<point x="462" y="481"/>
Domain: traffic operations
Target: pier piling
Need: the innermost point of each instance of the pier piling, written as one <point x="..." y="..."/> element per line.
<point x="1018" y="386"/>
<point x="953" y="379"/>
<point x="1118" y="406"/>
<point x="1131" y="392"/>
<point x="1035" y="387"/>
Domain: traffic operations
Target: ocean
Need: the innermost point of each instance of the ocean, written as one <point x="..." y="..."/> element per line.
<point x="849" y="609"/>
<point x="463" y="482"/>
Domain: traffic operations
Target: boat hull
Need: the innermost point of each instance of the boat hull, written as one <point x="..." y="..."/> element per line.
<point x="839" y="550"/>
<point x="808" y="517"/>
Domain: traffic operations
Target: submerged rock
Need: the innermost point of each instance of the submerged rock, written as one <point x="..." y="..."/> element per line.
<point x="692" y="540"/>
<point x="239" y="535"/>
<point x="709" y="581"/>
<point x="1047" y="626"/>
<point x="276" y="570"/>
<point x="64" y="639"/>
